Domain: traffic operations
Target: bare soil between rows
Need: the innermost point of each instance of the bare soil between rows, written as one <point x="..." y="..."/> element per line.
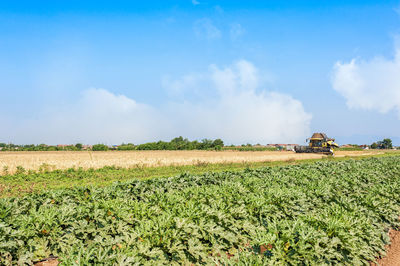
<point x="392" y="257"/>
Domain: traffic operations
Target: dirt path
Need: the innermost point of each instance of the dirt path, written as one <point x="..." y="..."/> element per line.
<point x="392" y="257"/>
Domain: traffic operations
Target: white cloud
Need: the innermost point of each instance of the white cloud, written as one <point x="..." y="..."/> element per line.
<point x="97" y="116"/>
<point x="238" y="112"/>
<point x="236" y="31"/>
<point x="205" y="29"/>
<point x="369" y="85"/>
<point x="195" y="2"/>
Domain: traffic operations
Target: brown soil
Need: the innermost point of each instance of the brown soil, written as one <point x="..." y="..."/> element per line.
<point x="47" y="262"/>
<point x="392" y="257"/>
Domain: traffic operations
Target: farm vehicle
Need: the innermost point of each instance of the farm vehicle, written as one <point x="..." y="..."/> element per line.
<point x="318" y="143"/>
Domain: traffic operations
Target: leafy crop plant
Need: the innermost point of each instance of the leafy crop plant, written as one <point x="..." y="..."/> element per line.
<point x="311" y="214"/>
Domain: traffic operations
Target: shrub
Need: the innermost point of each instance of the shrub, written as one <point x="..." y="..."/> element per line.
<point x="100" y="147"/>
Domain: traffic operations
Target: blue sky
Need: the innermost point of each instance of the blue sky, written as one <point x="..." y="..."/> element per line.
<point x="245" y="71"/>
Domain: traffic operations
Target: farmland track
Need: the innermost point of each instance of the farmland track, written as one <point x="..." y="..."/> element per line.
<point x="127" y="159"/>
<point x="392" y="257"/>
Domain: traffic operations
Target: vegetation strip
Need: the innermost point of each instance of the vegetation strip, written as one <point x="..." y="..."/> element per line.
<point x="25" y="182"/>
<point x="327" y="212"/>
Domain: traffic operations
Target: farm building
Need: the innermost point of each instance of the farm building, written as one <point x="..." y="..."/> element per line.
<point x="87" y="147"/>
<point x="346" y="146"/>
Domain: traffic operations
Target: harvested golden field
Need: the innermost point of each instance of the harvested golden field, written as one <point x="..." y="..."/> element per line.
<point x="89" y="159"/>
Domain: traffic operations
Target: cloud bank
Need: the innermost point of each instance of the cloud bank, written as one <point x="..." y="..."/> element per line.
<point x="370" y="85"/>
<point x="236" y="109"/>
<point x="98" y="116"/>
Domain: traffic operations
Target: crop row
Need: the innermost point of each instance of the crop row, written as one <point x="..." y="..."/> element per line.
<point x="312" y="214"/>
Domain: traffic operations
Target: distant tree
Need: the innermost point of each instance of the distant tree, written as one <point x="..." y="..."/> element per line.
<point x="41" y="147"/>
<point x="69" y="148"/>
<point x="193" y="145"/>
<point x="99" y="147"/>
<point x="218" y="142"/>
<point x="178" y="139"/>
<point x="79" y="146"/>
<point x="387" y="144"/>
<point x="148" y="146"/>
<point x="383" y="144"/>
<point x="206" y="144"/>
<point x="126" y="147"/>
<point x="29" y="147"/>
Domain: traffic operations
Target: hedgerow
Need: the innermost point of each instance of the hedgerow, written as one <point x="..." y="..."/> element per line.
<point x="310" y="214"/>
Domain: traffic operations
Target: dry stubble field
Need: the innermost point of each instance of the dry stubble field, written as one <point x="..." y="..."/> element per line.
<point x="88" y="159"/>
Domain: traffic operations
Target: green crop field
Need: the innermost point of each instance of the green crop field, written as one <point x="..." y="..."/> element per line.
<point x="28" y="181"/>
<point x="325" y="212"/>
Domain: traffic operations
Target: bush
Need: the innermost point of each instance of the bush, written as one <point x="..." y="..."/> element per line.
<point x="384" y="144"/>
<point x="126" y="147"/>
<point x="218" y="148"/>
<point x="100" y="147"/>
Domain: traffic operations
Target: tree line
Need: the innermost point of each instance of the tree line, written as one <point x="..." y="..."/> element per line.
<point x="178" y="143"/>
<point x="383" y="144"/>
